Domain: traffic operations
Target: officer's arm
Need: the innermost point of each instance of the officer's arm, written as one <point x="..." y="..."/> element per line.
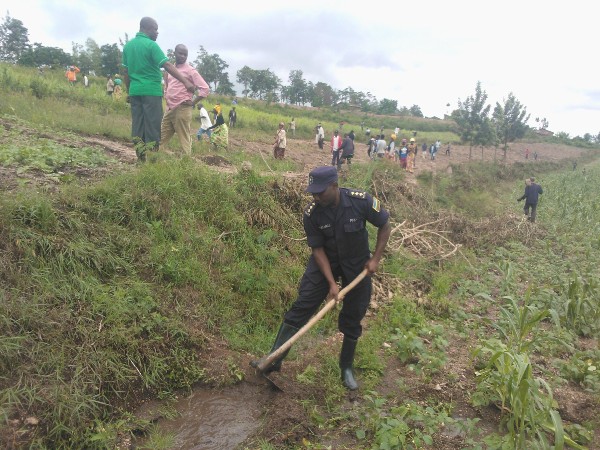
<point x="383" y="235"/>
<point x="325" y="267"/>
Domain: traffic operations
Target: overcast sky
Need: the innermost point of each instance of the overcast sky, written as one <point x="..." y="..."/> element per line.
<point x="425" y="53"/>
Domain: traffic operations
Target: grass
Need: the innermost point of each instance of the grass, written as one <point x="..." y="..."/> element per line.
<point x="113" y="288"/>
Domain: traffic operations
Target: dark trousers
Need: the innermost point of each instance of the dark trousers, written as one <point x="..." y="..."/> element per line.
<point x="146" y="118"/>
<point x="313" y="291"/>
<point x="335" y="157"/>
<point x="533" y="207"/>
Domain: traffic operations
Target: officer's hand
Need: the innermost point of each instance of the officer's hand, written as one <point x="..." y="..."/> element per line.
<point x="372" y="265"/>
<point x="334" y="290"/>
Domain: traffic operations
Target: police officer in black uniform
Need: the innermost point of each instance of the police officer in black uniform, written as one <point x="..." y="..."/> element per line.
<point x="335" y="227"/>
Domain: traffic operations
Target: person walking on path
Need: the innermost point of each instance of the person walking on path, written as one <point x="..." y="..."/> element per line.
<point x="346" y="151"/>
<point x="205" y="123"/>
<point x="280" y="142"/>
<point x="531" y="197"/>
<point x="180" y="102"/>
<point x="142" y="61"/>
<point x="424" y="149"/>
<point x="381" y="145"/>
<point x="336" y="144"/>
<point x="320" y="136"/>
<point x="335" y="228"/>
<point x="293" y="127"/>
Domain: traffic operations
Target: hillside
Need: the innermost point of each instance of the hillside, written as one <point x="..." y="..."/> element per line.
<point x="134" y="296"/>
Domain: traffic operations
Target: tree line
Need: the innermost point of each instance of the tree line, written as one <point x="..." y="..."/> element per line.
<point x="477" y="124"/>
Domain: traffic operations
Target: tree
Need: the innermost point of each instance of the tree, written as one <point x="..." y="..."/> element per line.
<point x="510" y="120"/>
<point x="244" y="77"/>
<point x="211" y="67"/>
<point x="472" y="119"/>
<point x="14" y="40"/>
<point x="225" y="86"/>
<point x="45" y="56"/>
<point x="415" y="111"/>
<point x="264" y="85"/>
<point x="80" y="56"/>
<point x="110" y="60"/>
<point x="95" y="55"/>
<point x="543" y="123"/>
<point x="321" y="94"/>
<point x="297" y="92"/>
<point x="387" y="106"/>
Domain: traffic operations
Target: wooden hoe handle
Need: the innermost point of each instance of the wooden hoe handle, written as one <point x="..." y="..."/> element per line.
<point x="267" y="360"/>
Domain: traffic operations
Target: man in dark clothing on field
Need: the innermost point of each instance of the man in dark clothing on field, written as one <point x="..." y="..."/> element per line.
<point x="232" y="117"/>
<point x="531" y="195"/>
<point x="336" y="231"/>
<point x="346" y="151"/>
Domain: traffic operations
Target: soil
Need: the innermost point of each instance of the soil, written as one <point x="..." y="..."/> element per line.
<point x="286" y="422"/>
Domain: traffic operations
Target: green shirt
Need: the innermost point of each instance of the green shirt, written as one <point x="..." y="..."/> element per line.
<point x="143" y="59"/>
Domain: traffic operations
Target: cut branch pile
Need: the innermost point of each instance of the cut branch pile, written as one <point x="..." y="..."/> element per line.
<point x="427" y="240"/>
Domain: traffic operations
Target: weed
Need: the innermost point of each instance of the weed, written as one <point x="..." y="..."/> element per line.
<point x="407" y="425"/>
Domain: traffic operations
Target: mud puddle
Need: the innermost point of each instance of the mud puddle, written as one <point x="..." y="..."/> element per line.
<point x="215" y="419"/>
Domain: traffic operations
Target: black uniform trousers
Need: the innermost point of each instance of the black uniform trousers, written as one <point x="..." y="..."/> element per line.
<point x="313" y="291"/>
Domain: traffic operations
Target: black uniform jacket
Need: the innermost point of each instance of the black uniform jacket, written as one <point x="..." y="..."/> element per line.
<point x="342" y="231"/>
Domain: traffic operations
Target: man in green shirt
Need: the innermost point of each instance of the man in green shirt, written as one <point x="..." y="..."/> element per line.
<point x="142" y="60"/>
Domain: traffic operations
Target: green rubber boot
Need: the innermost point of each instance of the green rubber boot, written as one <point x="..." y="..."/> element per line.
<point x="346" y="362"/>
<point x="285" y="332"/>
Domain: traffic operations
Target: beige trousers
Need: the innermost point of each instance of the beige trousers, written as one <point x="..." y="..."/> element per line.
<point x="177" y="121"/>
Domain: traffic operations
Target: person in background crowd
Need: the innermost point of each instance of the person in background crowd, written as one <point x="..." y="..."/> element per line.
<point x="381" y="146"/>
<point x="71" y="74"/>
<point x="320" y="136"/>
<point x="412" y="154"/>
<point x="336" y="144"/>
<point x="118" y="90"/>
<point x="205" y="123"/>
<point x="346" y="151"/>
<point x="219" y="136"/>
<point x="110" y="85"/>
<point x="280" y="142"/>
<point x="232" y="117"/>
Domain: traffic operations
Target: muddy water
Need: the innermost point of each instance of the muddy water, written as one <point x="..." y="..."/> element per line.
<point x="216" y="419"/>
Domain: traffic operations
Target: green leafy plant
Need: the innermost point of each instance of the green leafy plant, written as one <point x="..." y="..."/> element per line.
<point x="405" y="426"/>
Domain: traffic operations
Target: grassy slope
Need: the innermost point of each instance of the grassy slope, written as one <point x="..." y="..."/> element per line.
<point x="115" y="287"/>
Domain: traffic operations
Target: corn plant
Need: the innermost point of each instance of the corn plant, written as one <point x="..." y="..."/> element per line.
<point x="578" y="308"/>
<point x="526" y="402"/>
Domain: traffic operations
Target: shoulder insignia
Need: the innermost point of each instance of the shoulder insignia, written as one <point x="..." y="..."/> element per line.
<point x="376" y="204"/>
<point x="309" y="208"/>
<point x="357" y="194"/>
